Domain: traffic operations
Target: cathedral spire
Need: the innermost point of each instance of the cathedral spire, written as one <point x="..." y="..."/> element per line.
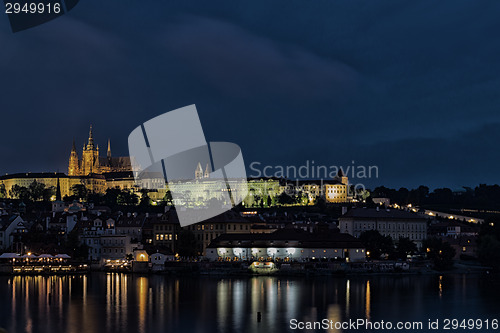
<point x="73" y="167"/>
<point x="198" y="173"/>
<point x="91" y="138"/>
<point x="109" y="148"/>
<point x="207" y="172"/>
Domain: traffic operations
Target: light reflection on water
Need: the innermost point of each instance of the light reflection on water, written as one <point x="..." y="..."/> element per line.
<point x="125" y="303"/>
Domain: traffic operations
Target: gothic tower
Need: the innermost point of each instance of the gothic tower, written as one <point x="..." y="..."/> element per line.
<point x="90" y="158"/>
<point x="73" y="167"/>
<point x="198" y="173"/>
<point x="109" y="149"/>
<point x="207" y="172"/>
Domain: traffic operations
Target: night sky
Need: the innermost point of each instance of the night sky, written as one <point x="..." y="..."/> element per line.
<point x="409" y="86"/>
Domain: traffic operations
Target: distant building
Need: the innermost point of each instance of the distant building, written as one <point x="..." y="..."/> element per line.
<point x="338" y="190"/>
<point x="10" y="226"/>
<point x="228" y="222"/>
<point x="286" y="245"/>
<point x="165" y="229"/>
<point x="116" y="246"/>
<point x="159" y="259"/>
<point x="103" y="241"/>
<point x="453" y="229"/>
<point x="389" y="222"/>
<point x="130" y="224"/>
<point x="382" y="201"/>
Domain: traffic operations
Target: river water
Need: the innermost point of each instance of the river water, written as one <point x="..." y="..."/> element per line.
<point x="111" y="302"/>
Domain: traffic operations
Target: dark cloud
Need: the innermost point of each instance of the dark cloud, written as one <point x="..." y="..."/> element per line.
<point x="242" y="64"/>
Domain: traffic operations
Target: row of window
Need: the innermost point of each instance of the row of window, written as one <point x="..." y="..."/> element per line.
<point x="106" y="241"/>
<point x="218" y="226"/>
<point x="111" y="251"/>
<point x="160" y="227"/>
<point x="167" y="237"/>
<point x="392" y="226"/>
<point x="208" y="236"/>
<point x="419" y="236"/>
<point x="336" y="191"/>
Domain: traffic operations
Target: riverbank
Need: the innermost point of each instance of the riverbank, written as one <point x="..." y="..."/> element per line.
<point x="247" y="268"/>
<point x="306" y="269"/>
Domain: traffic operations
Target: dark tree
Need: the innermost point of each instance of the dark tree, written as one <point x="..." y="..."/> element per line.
<point x="36" y="190"/>
<point x="79" y="191"/>
<point x="376" y="244"/>
<point x="48" y="193"/>
<point x="441" y="253"/>
<point x="489" y="244"/>
<point x="187" y="245"/>
<point x="405" y="247"/>
<point x="403" y="196"/>
<point x="489" y="250"/>
<point x="442" y="196"/>
<point x="285" y="199"/>
<point x="3" y="192"/>
<point x="168" y="198"/>
<point x="111" y="196"/>
<point x="19" y="192"/>
<point x="145" y="199"/>
<point x="127" y="198"/>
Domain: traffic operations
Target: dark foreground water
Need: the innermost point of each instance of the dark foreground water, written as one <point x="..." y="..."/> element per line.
<point x="104" y="302"/>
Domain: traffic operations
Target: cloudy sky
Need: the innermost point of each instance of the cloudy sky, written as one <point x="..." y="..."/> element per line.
<point x="409" y="86"/>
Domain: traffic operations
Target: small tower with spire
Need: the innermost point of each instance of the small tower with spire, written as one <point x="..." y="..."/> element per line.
<point x="90" y="158"/>
<point x="73" y="167"/>
<point x="58" y="191"/>
<point x="207" y="172"/>
<point x="341" y="177"/>
<point x="90" y="145"/>
<point x="109" y="149"/>
<point x="198" y="173"/>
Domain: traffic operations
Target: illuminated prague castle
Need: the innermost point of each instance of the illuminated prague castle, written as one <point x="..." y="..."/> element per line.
<point x="98" y="174"/>
<point x="92" y="163"/>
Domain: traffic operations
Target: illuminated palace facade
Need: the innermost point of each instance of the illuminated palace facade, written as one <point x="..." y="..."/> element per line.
<point x="98" y="173"/>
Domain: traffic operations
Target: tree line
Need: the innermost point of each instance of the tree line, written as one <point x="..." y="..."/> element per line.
<point x="481" y="196"/>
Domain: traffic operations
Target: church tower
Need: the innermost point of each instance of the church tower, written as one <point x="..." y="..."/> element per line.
<point x="207" y="172"/>
<point x="73" y="167"/>
<point x="109" y="149"/>
<point x="198" y="173"/>
<point x="90" y="158"/>
<point x="341" y="177"/>
<point x="90" y="162"/>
